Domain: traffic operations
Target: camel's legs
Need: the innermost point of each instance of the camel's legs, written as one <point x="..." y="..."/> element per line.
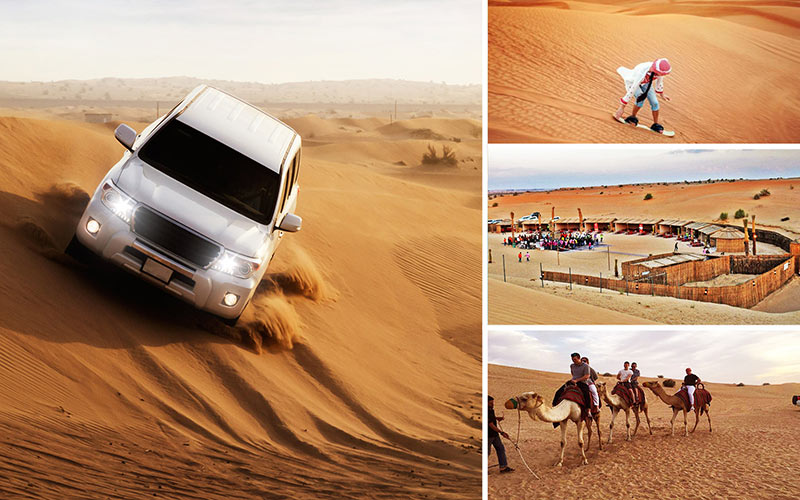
<point x="696" y="417"/>
<point x="599" y="437"/>
<point x="579" y="425"/>
<point x="672" y="421"/>
<point x="628" y="424"/>
<point x="589" y="432"/>
<point x="685" y="424"/>
<point x="563" y="426"/>
<point x="646" y="416"/>
<point x="709" y="419"/>
<point x="638" y="421"/>
<point x="614" y="412"/>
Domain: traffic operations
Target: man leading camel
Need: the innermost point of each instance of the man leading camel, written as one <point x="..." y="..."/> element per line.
<point x="494" y="438"/>
<point x="690" y="381"/>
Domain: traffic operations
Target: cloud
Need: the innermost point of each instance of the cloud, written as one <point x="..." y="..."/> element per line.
<point x="523" y="166"/>
<point x="730" y="356"/>
<point x="269" y="42"/>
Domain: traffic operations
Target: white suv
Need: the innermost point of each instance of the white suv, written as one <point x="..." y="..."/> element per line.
<point x="199" y="202"/>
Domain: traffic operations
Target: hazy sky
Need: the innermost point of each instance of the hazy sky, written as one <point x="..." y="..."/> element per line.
<point x="525" y="166"/>
<point x="265" y="41"/>
<point x="733" y="355"/>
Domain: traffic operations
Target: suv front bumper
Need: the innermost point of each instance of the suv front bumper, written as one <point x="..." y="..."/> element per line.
<point x="203" y="288"/>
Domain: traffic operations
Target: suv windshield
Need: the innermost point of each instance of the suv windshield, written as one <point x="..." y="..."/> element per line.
<point x="214" y="169"/>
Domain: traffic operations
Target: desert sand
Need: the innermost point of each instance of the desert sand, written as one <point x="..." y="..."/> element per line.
<point x="552" y="69"/>
<point x="745" y="456"/>
<point x="328" y="388"/>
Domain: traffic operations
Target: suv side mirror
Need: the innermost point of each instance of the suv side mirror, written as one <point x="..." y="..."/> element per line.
<point x="291" y="223"/>
<point x="126" y="136"/>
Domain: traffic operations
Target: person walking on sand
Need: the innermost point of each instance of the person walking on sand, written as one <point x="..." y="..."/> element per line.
<point x="494" y="438"/>
<point x="676" y="247"/>
<point x="690" y="381"/>
<point x="645" y="81"/>
<point x="519" y="256"/>
<point x="527" y="256"/>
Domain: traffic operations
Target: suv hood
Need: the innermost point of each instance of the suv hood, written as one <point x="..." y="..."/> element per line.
<point x="217" y="222"/>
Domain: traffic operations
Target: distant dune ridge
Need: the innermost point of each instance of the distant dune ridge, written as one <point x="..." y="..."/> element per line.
<point x="552" y="70"/>
<point x="174" y="88"/>
<point x="348" y="376"/>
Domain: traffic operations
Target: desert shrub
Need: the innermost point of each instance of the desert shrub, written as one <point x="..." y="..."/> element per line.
<point x="765" y="383"/>
<point x="660" y="376"/>
<point x="601" y="192"/>
<point x="431" y="158"/>
<point x="740" y="384"/>
<point x="723" y="216"/>
<point x="606" y="374"/>
<point x="648" y="196"/>
<point x="668" y="383"/>
<point x="764" y="192"/>
<point x="494" y="204"/>
<point x="740" y="214"/>
<point x="756" y="196"/>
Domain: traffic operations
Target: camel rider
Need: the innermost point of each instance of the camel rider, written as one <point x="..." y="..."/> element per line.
<point x="645" y="81"/>
<point x="593" y="378"/>
<point x="582" y="377"/>
<point x="494" y="438"/>
<point x="635" y="382"/>
<point x="690" y="381"/>
<point x="624" y="377"/>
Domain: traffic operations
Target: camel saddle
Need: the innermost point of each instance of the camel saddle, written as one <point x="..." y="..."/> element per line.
<point x="574" y="393"/>
<point x="701" y="398"/>
<point x="621" y="391"/>
<point x="683" y="394"/>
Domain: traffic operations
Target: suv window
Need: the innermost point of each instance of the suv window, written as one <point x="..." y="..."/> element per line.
<point x="214" y="170"/>
<point x="291" y="175"/>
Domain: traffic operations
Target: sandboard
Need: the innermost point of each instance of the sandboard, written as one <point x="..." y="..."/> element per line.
<point x="667" y="133"/>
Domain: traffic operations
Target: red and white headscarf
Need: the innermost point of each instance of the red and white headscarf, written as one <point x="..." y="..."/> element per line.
<point x="661" y="67"/>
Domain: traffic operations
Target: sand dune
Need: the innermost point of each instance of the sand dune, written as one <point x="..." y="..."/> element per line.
<point x="702" y="202"/>
<point x="511" y="304"/>
<point x="745" y="455"/>
<point x="552" y="69"/>
<point x="328" y="384"/>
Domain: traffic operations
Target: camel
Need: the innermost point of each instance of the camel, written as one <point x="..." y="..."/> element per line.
<point x="565" y="410"/>
<point x="677" y="405"/>
<point x="675" y="402"/>
<point x="616" y="404"/>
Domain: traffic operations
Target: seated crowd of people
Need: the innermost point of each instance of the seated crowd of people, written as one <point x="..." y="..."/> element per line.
<point x="553" y="241"/>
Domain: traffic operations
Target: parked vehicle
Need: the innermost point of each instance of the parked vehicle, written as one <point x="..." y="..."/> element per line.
<point x="199" y="201"/>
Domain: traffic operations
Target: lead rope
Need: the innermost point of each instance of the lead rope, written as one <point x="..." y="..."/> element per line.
<point x="516" y="445"/>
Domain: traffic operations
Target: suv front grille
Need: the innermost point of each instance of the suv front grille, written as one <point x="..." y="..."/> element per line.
<point x="173" y="237"/>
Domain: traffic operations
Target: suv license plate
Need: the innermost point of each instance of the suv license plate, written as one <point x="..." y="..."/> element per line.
<point x="157" y="270"/>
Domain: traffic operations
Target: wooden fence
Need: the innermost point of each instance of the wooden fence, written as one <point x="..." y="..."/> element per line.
<point x="744" y="295"/>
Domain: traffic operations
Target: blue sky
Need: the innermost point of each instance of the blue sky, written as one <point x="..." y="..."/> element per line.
<point x="265" y="41"/>
<point x="520" y="166"/>
<point x="732" y="355"/>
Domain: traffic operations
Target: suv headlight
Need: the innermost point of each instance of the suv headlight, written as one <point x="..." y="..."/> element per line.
<point x="118" y="202"/>
<point x="236" y="265"/>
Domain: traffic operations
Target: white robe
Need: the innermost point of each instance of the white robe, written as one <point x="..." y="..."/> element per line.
<point x="634" y="77"/>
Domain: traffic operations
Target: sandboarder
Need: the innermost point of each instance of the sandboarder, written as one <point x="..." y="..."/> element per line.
<point x="644" y="81"/>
